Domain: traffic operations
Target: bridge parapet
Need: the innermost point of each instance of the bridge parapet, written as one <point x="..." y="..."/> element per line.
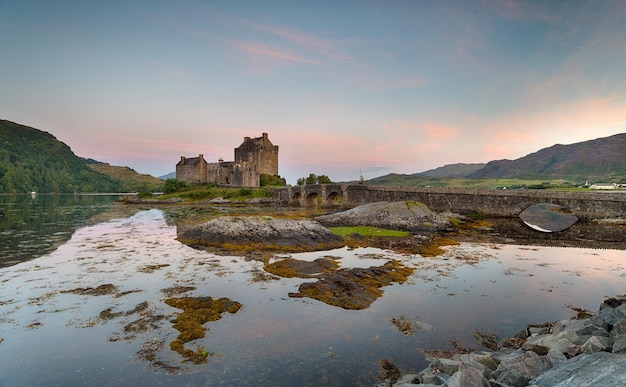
<point x="491" y="202"/>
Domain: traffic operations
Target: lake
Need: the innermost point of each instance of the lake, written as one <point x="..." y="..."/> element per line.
<point x="84" y="281"/>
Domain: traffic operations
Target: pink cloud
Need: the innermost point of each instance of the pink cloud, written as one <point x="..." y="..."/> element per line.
<point x="321" y="46"/>
<point x="430" y="131"/>
<point x="264" y="51"/>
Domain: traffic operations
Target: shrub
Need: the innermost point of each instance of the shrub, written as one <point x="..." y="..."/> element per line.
<point x="173" y="185"/>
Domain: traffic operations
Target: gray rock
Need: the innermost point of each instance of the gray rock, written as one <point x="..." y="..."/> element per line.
<point x="562" y="341"/>
<point x="556" y="357"/>
<point x="482" y="362"/>
<point x="619" y="328"/>
<point x="407" y="380"/>
<point x="596" y="369"/>
<point x="447" y="366"/>
<point x="596" y="343"/>
<point x="608" y="315"/>
<point x="411" y="216"/>
<point x="262" y="233"/>
<point x="619" y="346"/>
<point x="437" y="379"/>
<point x="519" y="370"/>
<point x="592" y="330"/>
<point x="467" y="377"/>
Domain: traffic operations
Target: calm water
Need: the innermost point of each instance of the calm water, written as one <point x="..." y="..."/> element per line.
<point x="52" y="337"/>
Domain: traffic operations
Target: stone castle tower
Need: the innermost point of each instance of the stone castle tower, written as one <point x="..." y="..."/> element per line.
<point x="255" y="156"/>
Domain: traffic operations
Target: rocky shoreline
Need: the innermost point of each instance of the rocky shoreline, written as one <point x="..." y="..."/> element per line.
<point x="587" y="350"/>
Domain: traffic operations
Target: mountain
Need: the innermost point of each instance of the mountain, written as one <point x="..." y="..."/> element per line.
<point x="171" y="175"/>
<point x="131" y="180"/>
<point x="599" y="160"/>
<point x="452" y="170"/>
<point x="31" y="159"/>
<point x="602" y="159"/>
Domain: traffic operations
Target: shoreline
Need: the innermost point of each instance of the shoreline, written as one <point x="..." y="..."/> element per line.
<point x="584" y="350"/>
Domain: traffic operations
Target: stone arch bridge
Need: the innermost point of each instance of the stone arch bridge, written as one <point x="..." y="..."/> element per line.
<point x="491" y="202"/>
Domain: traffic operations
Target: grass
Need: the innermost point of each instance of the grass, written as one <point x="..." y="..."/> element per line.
<point x="367" y="231"/>
<point x="208" y="192"/>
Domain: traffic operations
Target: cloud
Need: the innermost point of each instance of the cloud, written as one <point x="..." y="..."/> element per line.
<point x="313" y="43"/>
<point x="267" y="52"/>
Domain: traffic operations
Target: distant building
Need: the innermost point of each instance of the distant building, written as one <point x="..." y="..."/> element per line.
<point x="603" y="186"/>
<point x="255" y="156"/>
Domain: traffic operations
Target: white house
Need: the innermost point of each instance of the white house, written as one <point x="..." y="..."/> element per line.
<point x="603" y="186"/>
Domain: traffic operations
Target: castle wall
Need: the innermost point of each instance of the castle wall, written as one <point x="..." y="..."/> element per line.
<point x="260" y="153"/>
<point x="252" y="158"/>
<point x="192" y="171"/>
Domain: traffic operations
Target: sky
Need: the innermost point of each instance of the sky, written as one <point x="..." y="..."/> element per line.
<point x="344" y="88"/>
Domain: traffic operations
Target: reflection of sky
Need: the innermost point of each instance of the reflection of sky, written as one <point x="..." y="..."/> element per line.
<point x="273" y="337"/>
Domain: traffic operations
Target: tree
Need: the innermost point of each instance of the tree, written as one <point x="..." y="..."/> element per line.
<point x="314" y="179"/>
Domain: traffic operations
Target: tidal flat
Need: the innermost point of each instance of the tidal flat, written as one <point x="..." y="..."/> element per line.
<point x="95" y="310"/>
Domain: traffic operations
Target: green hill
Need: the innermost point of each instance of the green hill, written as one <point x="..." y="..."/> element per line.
<point x="602" y="159"/>
<point x="131" y="180"/>
<point x="31" y="159"/>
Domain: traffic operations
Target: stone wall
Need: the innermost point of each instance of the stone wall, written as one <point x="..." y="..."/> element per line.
<point x="505" y="203"/>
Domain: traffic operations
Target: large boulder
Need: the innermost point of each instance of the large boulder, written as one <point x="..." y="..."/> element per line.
<point x="596" y="369"/>
<point x="261" y="233"/>
<point x="406" y="215"/>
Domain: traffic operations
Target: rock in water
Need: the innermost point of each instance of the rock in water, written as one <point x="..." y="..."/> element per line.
<point x="406" y="215"/>
<point x="256" y="233"/>
<point x="547" y="217"/>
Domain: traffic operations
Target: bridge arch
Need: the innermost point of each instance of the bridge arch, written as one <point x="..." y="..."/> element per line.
<point x="334" y="199"/>
<point x="312" y="199"/>
<point x="295" y="199"/>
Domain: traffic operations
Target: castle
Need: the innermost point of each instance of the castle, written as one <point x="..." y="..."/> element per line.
<point x="254" y="157"/>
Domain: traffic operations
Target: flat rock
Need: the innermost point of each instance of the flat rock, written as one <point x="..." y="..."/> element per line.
<point x="596" y="369"/>
<point x="405" y="215"/>
<point x="254" y="233"/>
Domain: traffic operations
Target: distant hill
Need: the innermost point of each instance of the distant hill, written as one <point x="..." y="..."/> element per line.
<point x="602" y="159"/>
<point x="599" y="160"/>
<point x="131" y="180"/>
<point x="452" y="170"/>
<point x="171" y="175"/>
<point x="31" y="159"/>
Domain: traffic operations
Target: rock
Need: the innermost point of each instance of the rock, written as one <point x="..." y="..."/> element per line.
<point x="596" y="343"/>
<point x="447" y="366"/>
<point x="434" y="378"/>
<point x="410" y="216"/>
<point x="519" y="370"/>
<point x="608" y="315"/>
<point x="563" y="341"/>
<point x="219" y="200"/>
<point x="254" y="233"/>
<point x="355" y="288"/>
<point x="467" y="377"/>
<point x="407" y="380"/>
<point x="619" y="346"/>
<point x="619" y="328"/>
<point x="542" y="359"/>
<point x="596" y="369"/>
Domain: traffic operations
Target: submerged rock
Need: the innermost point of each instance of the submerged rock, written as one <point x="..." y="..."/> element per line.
<point x="256" y="233"/>
<point x="406" y="215"/>
<point x="355" y="288"/>
<point x="547" y="217"/>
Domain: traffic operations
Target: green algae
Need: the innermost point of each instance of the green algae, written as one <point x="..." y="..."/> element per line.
<point x="196" y="312"/>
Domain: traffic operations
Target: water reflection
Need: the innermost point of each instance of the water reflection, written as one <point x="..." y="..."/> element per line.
<point x="55" y="331"/>
<point x="34" y="225"/>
